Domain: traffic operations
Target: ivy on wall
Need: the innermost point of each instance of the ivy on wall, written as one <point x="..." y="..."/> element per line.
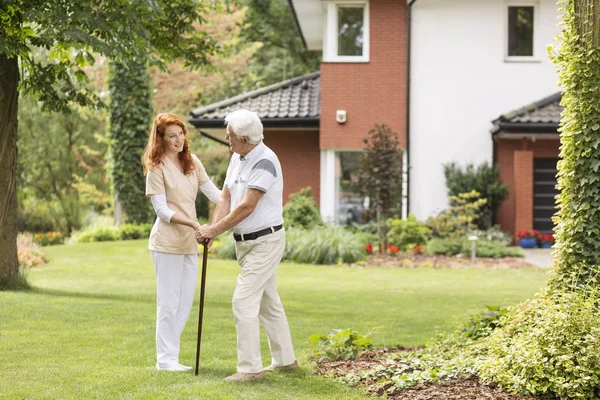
<point x="130" y="121"/>
<point x="577" y="254"/>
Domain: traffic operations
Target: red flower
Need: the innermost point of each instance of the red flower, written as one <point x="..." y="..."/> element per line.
<point x="369" y="248"/>
<point x="418" y="250"/>
<point x="528" y="234"/>
<point x="546" y="239"/>
<point x="393" y="249"/>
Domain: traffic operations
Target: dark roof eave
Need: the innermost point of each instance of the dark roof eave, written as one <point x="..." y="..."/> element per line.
<point x="267" y="122"/>
<point x="520" y="127"/>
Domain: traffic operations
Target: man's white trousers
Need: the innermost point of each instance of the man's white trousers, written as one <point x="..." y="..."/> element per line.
<point x="256" y="298"/>
<point x="176" y="276"/>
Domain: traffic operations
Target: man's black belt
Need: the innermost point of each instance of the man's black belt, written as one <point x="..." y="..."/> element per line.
<point x="257" y="234"/>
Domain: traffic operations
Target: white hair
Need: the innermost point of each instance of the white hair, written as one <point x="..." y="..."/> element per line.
<point x="245" y="123"/>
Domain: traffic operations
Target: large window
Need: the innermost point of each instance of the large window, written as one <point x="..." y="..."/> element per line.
<point x="520" y="43"/>
<point x="349" y="204"/>
<point x="347" y="32"/>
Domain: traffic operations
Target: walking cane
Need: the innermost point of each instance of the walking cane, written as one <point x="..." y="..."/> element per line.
<point x="201" y="311"/>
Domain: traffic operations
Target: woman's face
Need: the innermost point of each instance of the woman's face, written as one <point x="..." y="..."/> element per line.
<point x="174" y="139"/>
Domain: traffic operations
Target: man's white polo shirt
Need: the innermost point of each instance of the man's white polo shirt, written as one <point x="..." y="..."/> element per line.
<point x="259" y="169"/>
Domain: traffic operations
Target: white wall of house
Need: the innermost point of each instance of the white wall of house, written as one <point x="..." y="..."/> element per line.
<point x="461" y="80"/>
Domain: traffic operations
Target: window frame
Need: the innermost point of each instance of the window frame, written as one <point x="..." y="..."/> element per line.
<point x="331" y="31"/>
<point x="536" y="27"/>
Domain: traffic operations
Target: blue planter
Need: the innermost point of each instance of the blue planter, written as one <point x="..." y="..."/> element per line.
<point x="528" y="243"/>
<point x="546" y="245"/>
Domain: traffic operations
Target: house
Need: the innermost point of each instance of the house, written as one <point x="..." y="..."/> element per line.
<point x="441" y="73"/>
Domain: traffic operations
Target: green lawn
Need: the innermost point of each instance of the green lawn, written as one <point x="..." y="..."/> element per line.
<point x="86" y="329"/>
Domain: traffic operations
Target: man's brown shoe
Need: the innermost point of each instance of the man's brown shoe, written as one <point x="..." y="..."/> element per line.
<point x="244" y="377"/>
<point x="273" y="368"/>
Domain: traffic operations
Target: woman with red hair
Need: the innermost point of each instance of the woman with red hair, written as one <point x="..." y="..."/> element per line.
<point x="173" y="177"/>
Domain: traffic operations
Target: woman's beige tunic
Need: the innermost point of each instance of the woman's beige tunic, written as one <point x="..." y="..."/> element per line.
<point x="181" y="191"/>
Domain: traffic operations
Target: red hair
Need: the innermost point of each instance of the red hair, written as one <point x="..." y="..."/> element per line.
<point x="155" y="149"/>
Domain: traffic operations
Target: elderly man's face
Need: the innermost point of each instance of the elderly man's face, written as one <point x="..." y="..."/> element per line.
<point x="235" y="145"/>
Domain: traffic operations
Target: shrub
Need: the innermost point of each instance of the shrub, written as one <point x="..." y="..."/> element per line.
<point x="301" y="211"/>
<point x="483" y="179"/>
<point x="459" y="219"/>
<point x="340" y="344"/>
<point x="131" y="231"/>
<point x="447" y="247"/>
<point x="450" y="247"/>
<point x="407" y="233"/>
<point x="326" y="244"/>
<point x="98" y="234"/>
<point x="548" y="347"/>
<point x="37" y="216"/>
<point x="48" y="238"/>
<point x="225" y="247"/>
<point x="29" y="252"/>
<point x="493" y="234"/>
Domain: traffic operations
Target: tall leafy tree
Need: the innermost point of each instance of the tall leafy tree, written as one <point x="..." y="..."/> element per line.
<point x="283" y="55"/>
<point x="69" y="34"/>
<point x="60" y="162"/>
<point x="577" y="254"/>
<point x="485" y="180"/>
<point x="380" y="176"/>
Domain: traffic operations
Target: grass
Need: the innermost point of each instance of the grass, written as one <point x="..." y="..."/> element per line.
<point x="86" y="328"/>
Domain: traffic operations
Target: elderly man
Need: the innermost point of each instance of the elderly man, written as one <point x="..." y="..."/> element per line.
<point x="251" y="204"/>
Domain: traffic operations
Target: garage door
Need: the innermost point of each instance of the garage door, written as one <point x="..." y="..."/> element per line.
<point x="544" y="191"/>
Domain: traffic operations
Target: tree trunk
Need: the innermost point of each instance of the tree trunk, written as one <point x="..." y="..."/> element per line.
<point x="9" y="95"/>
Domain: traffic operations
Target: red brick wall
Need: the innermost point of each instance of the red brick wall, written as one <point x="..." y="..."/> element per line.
<point x="515" y="161"/>
<point x="371" y="93"/>
<point x="300" y="158"/>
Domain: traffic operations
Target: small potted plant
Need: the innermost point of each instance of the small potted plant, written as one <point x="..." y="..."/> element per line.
<point x="528" y="238"/>
<point x="545" y="241"/>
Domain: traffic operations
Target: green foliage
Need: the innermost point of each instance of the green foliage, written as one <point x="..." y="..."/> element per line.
<point x="120" y="30"/>
<point x="49" y="238"/>
<point x="105" y="233"/>
<point x="37" y="216"/>
<point x="283" y="54"/>
<point x="45" y="48"/>
<point x="380" y="175"/>
<point x="225" y="247"/>
<point x="493" y="234"/>
<point x="577" y="253"/>
<point x="548" y="347"/>
<point x="59" y="155"/>
<point x="326" y="244"/>
<point x="301" y="210"/>
<point x="340" y="344"/>
<point x="459" y="219"/>
<point x="132" y="231"/>
<point x="485" y="248"/>
<point x="408" y="233"/>
<point x="483" y="179"/>
<point x="481" y="325"/>
<point x="130" y="120"/>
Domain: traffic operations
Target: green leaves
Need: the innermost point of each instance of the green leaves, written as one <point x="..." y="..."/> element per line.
<point x="130" y="120"/>
<point x="340" y="344"/>
<point x="578" y="61"/>
<point x="485" y="180"/>
<point x="301" y="210"/>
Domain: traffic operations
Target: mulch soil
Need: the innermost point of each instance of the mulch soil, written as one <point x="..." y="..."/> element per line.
<point x="409" y="260"/>
<point x="463" y="389"/>
<point x="468" y="388"/>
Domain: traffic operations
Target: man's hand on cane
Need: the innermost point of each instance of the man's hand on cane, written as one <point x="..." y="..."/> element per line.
<point x="205" y="233"/>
